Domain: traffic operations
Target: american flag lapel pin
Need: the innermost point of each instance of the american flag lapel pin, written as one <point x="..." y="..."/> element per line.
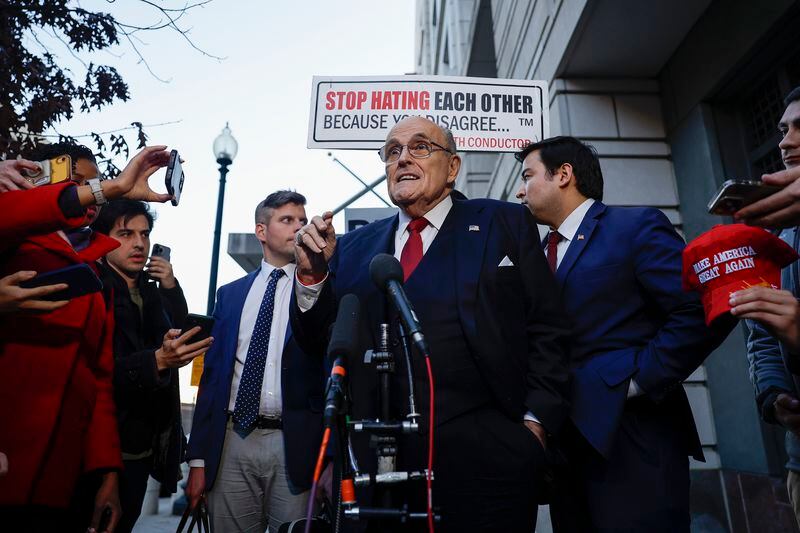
<point x="580" y="236"/>
<point x="473" y="227"/>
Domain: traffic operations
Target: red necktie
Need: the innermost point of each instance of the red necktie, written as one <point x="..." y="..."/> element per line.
<point x="553" y="238"/>
<point x="412" y="251"/>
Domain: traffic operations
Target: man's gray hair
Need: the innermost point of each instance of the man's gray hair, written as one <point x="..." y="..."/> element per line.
<point x="276" y="200"/>
<point x="451" y="142"/>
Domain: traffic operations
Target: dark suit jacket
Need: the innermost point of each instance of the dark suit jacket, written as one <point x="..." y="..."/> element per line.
<point x="148" y="401"/>
<point x="621" y="283"/>
<point x="302" y="384"/>
<point x="511" y="315"/>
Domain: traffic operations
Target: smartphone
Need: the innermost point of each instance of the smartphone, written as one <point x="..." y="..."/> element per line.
<point x="50" y="171"/>
<point x="204" y="321"/>
<point x="174" y="177"/>
<point x="159" y="250"/>
<point x="736" y="194"/>
<point x="81" y="280"/>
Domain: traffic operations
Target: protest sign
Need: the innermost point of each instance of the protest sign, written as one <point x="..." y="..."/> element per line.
<point x="484" y="114"/>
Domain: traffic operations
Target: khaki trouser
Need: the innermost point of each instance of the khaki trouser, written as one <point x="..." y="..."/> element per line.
<point x="793" y="486"/>
<point x="251" y="491"/>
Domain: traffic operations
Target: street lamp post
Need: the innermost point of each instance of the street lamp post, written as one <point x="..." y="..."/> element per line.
<point x="225" y="148"/>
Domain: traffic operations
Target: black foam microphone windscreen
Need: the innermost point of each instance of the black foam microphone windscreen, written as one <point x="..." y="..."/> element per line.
<point x="344" y="337"/>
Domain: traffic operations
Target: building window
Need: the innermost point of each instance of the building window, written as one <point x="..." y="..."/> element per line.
<point x="761" y="113"/>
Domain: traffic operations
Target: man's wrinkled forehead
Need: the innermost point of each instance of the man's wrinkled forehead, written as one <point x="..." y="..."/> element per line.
<point x="413" y="128"/>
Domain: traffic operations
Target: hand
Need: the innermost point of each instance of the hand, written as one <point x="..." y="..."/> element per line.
<point x="196" y="485"/>
<point x="325" y="485"/>
<point x="132" y="181"/>
<point x="314" y="247"/>
<point x="107" y="498"/>
<point x="161" y="270"/>
<point x="778" y="311"/>
<point x="11" y="178"/>
<point x="175" y="353"/>
<point x="779" y="210"/>
<point x="14" y="298"/>
<point x="538" y="430"/>
<point x="3" y="464"/>
<point x="787" y="412"/>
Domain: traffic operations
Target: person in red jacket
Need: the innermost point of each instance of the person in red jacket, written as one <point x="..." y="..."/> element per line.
<point x="57" y="415"/>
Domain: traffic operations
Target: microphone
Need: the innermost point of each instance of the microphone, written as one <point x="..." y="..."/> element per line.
<point x="342" y="346"/>
<point x="387" y="275"/>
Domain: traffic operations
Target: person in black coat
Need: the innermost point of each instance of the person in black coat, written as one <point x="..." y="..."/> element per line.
<point x="149" y="311"/>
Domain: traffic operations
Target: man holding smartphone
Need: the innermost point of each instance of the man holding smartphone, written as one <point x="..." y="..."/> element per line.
<point x="773" y="315"/>
<point x="149" y="311"/>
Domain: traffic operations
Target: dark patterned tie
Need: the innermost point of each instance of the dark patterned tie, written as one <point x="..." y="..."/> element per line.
<point x="248" y="398"/>
<point x="553" y="238"/>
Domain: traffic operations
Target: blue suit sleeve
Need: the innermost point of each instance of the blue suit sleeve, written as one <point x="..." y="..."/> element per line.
<point x="684" y="340"/>
<point x="201" y="422"/>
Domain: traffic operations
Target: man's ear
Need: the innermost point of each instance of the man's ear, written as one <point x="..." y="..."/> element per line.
<point x="564" y="175"/>
<point x="455" y="166"/>
<point x="261" y="231"/>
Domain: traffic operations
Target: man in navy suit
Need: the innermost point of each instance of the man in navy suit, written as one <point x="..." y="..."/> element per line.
<point x="489" y="309"/>
<point x="258" y="418"/>
<point x="636" y="336"/>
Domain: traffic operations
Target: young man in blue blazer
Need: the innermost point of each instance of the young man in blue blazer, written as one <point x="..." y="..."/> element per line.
<point x="636" y="336"/>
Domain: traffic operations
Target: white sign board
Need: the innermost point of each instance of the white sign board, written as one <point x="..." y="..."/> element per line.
<point x="484" y="114"/>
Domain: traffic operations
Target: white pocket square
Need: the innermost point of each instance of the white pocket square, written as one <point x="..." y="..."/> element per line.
<point x="506" y="262"/>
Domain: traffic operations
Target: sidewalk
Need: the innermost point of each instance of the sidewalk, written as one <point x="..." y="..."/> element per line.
<point x="163" y="522"/>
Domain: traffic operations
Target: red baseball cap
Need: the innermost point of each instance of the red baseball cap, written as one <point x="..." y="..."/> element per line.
<point x="731" y="258"/>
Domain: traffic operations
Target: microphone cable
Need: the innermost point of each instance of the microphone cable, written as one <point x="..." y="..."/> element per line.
<point x="429" y="473"/>
<point x="317" y="474"/>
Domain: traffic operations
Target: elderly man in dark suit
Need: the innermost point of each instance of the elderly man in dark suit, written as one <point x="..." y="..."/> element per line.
<point x="487" y="303"/>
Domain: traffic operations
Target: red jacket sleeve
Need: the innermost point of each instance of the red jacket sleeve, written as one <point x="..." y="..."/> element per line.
<point x="33" y="212"/>
<point x="102" y="449"/>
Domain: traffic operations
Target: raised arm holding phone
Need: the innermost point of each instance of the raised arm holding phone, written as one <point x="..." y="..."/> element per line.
<point x="51" y="440"/>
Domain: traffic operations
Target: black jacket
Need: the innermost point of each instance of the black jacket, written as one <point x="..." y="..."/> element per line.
<point x="148" y="401"/>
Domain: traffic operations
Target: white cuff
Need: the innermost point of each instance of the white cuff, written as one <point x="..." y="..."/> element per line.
<point x="530" y="417"/>
<point x="307" y="295"/>
<point x="634" y="390"/>
<point x="197" y="463"/>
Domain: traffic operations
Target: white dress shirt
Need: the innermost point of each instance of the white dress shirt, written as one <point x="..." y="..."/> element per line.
<point x="568" y="229"/>
<point x="270" y="404"/>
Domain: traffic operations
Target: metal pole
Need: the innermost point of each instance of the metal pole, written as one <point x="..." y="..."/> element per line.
<point x="212" y="281"/>
<point x="360" y="194"/>
<point x="362" y="182"/>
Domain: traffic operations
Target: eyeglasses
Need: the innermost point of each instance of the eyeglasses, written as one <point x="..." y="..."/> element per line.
<point x="390" y="154"/>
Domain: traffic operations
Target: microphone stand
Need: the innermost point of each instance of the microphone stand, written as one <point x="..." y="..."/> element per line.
<point x="385" y="432"/>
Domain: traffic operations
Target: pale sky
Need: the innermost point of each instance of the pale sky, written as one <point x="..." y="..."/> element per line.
<point x="262" y="87"/>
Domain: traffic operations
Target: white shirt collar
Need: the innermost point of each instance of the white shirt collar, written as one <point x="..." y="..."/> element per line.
<point x="435" y="216"/>
<point x="570" y="226"/>
<point x="266" y="270"/>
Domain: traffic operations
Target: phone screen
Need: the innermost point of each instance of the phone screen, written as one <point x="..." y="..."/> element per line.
<point x="736" y="194"/>
<point x="205" y="322"/>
